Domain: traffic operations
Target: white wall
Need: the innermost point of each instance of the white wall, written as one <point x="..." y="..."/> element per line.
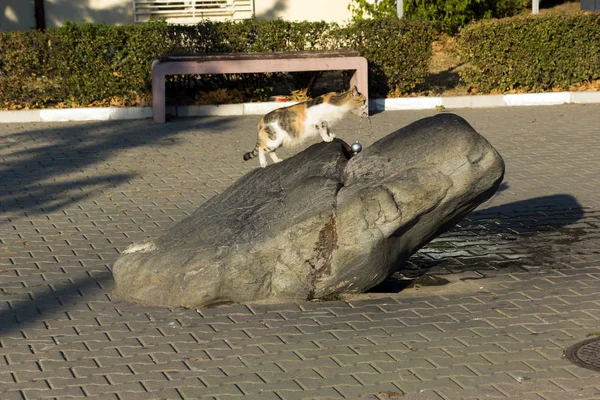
<point x="303" y="10"/>
<point x="16" y="15"/>
<point x="19" y="14"/>
<point x="113" y="12"/>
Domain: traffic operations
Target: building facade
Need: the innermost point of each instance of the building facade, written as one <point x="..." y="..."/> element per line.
<point x="20" y="14"/>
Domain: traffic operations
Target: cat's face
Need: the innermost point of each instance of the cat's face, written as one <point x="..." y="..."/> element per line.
<point x="357" y="99"/>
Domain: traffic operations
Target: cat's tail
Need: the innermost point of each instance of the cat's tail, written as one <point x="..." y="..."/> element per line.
<point x="253" y="153"/>
<point x="259" y="139"/>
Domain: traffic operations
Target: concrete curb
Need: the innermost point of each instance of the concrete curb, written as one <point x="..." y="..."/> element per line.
<point x="406" y="103"/>
<point x="76" y="114"/>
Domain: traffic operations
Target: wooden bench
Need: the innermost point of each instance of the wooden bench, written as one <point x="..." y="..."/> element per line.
<point x="237" y="63"/>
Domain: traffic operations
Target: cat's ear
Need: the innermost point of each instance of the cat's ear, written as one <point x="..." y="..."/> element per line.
<point x="355" y="92"/>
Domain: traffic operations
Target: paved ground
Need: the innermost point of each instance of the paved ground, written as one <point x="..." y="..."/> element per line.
<point x="524" y="272"/>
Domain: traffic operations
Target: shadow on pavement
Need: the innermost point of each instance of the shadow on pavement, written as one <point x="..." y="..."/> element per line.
<point x="523" y="236"/>
<point x="45" y="168"/>
<point x="50" y="303"/>
<point x="40" y="167"/>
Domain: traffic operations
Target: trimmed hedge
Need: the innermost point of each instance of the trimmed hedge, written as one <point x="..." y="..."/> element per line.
<point x="531" y="53"/>
<point x="78" y="64"/>
<point x="23" y="66"/>
<point x="83" y="64"/>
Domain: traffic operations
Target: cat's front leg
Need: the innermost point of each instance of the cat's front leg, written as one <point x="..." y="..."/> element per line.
<point x="274" y="157"/>
<point x="325" y="125"/>
<point x="323" y="129"/>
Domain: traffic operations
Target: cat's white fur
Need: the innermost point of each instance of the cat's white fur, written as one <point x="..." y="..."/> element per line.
<point x="315" y="117"/>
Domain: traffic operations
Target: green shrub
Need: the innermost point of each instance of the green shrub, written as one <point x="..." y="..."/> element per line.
<point x="450" y="15"/>
<point x="445" y="15"/>
<point x="531" y="53"/>
<point x="361" y="9"/>
<point x="398" y="51"/>
<point x="82" y="64"/>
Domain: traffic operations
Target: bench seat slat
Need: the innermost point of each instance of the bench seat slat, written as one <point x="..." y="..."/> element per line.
<point x="275" y="55"/>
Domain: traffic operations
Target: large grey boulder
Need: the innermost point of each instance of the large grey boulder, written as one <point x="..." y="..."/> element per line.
<point x="318" y="223"/>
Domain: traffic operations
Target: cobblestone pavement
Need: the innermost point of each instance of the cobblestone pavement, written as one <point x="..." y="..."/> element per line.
<point x="523" y="273"/>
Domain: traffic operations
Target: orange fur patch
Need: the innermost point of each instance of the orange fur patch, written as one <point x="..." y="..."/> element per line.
<point x="300" y="118"/>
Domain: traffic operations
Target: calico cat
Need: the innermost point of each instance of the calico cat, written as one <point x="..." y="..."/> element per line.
<point x="291" y="125"/>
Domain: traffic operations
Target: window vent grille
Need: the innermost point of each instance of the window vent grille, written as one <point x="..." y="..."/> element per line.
<point x="190" y="11"/>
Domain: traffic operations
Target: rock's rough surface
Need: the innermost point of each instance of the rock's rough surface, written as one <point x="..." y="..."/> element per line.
<point x="318" y="223"/>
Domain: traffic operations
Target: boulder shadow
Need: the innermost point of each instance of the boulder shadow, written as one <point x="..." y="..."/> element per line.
<point x="531" y="235"/>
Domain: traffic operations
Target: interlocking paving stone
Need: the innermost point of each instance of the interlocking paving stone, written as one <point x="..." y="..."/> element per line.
<point x="524" y="267"/>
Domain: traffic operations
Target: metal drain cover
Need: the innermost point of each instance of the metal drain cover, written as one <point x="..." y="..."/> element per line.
<point x="586" y="354"/>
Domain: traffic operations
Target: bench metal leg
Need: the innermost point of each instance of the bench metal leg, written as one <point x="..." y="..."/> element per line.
<point x="360" y="78"/>
<point x="158" y="94"/>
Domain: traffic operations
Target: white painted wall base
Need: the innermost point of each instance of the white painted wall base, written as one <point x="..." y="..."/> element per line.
<point x="404" y="103"/>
